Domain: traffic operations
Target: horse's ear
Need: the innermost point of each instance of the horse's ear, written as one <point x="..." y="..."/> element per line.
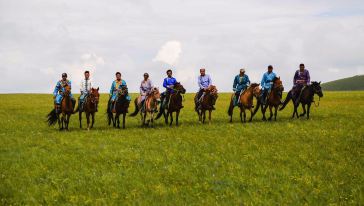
<point x="319" y="82"/>
<point x="97" y="88"/>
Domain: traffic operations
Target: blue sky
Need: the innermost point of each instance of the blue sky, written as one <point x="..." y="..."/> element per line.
<point x="41" y="39"/>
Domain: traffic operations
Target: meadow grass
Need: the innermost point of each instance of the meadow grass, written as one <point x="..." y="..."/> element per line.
<point x="287" y="162"/>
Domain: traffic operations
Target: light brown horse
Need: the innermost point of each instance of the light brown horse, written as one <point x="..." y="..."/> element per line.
<point x="66" y="110"/>
<point x="89" y="107"/>
<point x="207" y="103"/>
<point x="174" y="105"/>
<point x="150" y="106"/>
<point x="273" y="100"/>
<point x="245" y="102"/>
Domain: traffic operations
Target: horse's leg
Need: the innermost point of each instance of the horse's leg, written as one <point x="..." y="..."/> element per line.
<point x="203" y="116"/>
<point x="117" y="120"/>
<point x="271" y="112"/>
<point x="171" y="116"/>
<point x="144" y="116"/>
<point x="166" y="115"/>
<point x="80" y="118"/>
<point x="275" y="113"/>
<point x="67" y="118"/>
<point x="88" y="120"/>
<point x="152" y="119"/>
<point x="244" y="115"/>
<point x="62" y="120"/>
<point x="93" y="119"/>
<point x="241" y="114"/>
<point x="124" y="114"/>
<point x="264" y="108"/>
<point x="59" y="121"/>
<point x="304" y="110"/>
<point x="251" y="114"/>
<point x="210" y="111"/>
<point x="177" y="116"/>
<point x="308" y="110"/>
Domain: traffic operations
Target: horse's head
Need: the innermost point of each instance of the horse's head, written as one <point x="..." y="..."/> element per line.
<point x="179" y="88"/>
<point x="123" y="91"/>
<point x="154" y="92"/>
<point x="316" y="86"/>
<point x="256" y="89"/>
<point x="277" y="84"/>
<point x="95" y="95"/>
<point x="211" y="89"/>
<point x="67" y="89"/>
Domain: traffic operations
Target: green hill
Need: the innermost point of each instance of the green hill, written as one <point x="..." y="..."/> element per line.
<point x="354" y="83"/>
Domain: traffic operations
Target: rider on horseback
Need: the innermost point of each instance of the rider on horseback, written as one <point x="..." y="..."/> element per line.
<point x="266" y="83"/>
<point x="241" y="82"/>
<point x="204" y="81"/>
<point x="85" y="88"/>
<point x="300" y="80"/>
<point x="145" y="88"/>
<point x="115" y="88"/>
<point x="59" y="90"/>
<point x="168" y="83"/>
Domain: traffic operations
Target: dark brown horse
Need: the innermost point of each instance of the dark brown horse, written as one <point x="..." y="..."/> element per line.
<point x="273" y="99"/>
<point x="245" y="102"/>
<point x="89" y="107"/>
<point x="150" y="106"/>
<point x="305" y="98"/>
<point x="207" y="103"/>
<point x="174" y="104"/>
<point x="120" y="107"/>
<point x="66" y="110"/>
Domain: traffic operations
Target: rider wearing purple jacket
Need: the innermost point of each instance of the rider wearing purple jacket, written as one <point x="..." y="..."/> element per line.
<point x="300" y="80"/>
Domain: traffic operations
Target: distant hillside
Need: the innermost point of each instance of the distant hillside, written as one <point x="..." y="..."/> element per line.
<point x="347" y="84"/>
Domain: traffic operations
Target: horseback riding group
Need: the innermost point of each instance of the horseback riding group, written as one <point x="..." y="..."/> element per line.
<point x="267" y="94"/>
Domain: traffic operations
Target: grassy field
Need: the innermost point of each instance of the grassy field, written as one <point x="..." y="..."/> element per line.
<point x="289" y="162"/>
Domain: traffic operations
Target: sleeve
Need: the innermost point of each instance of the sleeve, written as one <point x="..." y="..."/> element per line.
<point x="165" y="83"/>
<point x="308" y="78"/>
<point x="112" y="88"/>
<point x="199" y="82"/>
<point x="56" y="89"/>
<point x="123" y="83"/>
<point x="70" y="83"/>
<point x="235" y="83"/>
<point x="295" y="78"/>
<point x="247" y="80"/>
<point x="210" y="81"/>
<point x="262" y="83"/>
<point x="81" y="86"/>
<point x="141" y="89"/>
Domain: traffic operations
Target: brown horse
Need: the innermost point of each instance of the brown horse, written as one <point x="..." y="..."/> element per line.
<point x="89" y="107"/>
<point x="207" y="103"/>
<point x="66" y="110"/>
<point x="245" y="102"/>
<point x="150" y="106"/>
<point x="174" y="104"/>
<point x="120" y="107"/>
<point x="273" y="99"/>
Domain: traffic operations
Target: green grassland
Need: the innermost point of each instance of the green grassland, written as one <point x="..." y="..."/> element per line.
<point x="288" y="162"/>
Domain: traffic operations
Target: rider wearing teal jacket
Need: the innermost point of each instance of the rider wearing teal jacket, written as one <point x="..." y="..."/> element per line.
<point x="267" y="82"/>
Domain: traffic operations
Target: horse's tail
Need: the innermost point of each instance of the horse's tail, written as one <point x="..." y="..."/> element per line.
<point x="231" y="107"/>
<point x="136" y="108"/>
<point x="288" y="98"/>
<point x="52" y="117"/>
<point x="77" y="109"/>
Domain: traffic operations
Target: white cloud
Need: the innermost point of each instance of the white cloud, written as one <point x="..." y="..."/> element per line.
<point x="169" y="53"/>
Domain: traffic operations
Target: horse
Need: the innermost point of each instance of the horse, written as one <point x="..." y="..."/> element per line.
<point x="174" y="104"/>
<point x="207" y="103"/>
<point x="245" y="102"/>
<point x="273" y="99"/>
<point x="66" y="110"/>
<point x="119" y="107"/>
<point x="89" y="107"/>
<point x="150" y="106"/>
<point x="305" y="98"/>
